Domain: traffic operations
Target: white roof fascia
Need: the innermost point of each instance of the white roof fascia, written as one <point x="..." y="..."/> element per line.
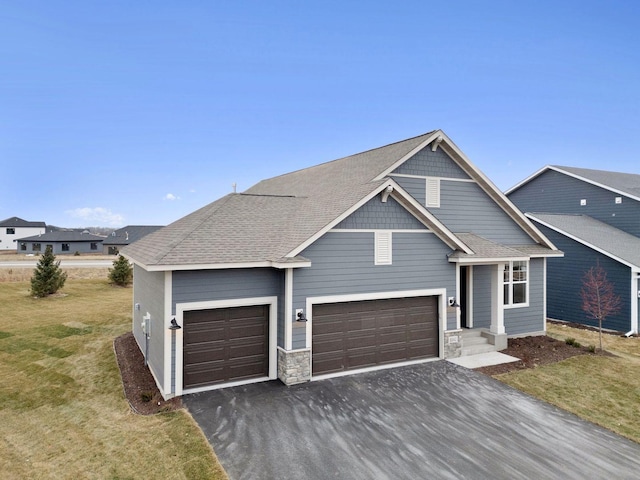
<point x="526" y="180"/>
<point x="486" y="260"/>
<point x="429" y="220"/>
<point x="426" y="142"/>
<point x="221" y="266"/>
<point x="494" y="192"/>
<point x="586" y="244"/>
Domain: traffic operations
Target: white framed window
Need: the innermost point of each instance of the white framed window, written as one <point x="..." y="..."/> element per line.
<point x="516" y="283"/>
<point x="433" y="192"/>
<point x="383" y="248"/>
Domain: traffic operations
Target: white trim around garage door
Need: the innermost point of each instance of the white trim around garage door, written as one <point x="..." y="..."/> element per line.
<point x="237" y="302"/>
<point x="441" y="293"/>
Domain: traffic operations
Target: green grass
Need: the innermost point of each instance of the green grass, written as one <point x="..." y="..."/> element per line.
<point x="62" y="408"/>
<point x="602" y="389"/>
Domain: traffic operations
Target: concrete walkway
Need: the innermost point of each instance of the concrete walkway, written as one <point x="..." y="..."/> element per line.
<point x="434" y="420"/>
<point x="483" y="360"/>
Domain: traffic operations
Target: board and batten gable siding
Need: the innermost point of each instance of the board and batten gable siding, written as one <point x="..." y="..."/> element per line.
<point x="343" y="263"/>
<point x="226" y="284"/>
<point x="554" y="192"/>
<point x="531" y="319"/>
<point x="148" y="292"/>
<point x="565" y="277"/>
<point x="426" y="163"/>
<point x="378" y="215"/>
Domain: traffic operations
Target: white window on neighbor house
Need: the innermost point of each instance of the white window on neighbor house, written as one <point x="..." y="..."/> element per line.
<point x="94" y="246"/>
<point x="23" y="247"/>
<point x="11" y="231"/>
<point x="433" y="193"/>
<point x="516" y="283"/>
<point x="65" y="247"/>
<point x="583" y="202"/>
<point x="36" y="247"/>
<point x="618" y="200"/>
<point x="383" y="248"/>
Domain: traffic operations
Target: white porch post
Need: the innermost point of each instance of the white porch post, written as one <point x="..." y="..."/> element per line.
<point x="497" y="300"/>
<point x="288" y="308"/>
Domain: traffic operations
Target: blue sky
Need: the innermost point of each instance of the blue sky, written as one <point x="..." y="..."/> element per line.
<point x="116" y="113"/>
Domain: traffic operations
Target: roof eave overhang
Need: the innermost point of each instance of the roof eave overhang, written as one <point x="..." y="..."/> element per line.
<point x="471" y="260"/>
<point x="278" y="264"/>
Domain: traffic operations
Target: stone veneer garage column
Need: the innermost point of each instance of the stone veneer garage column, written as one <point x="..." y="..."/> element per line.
<point x="294" y="366"/>
<point x="452" y="343"/>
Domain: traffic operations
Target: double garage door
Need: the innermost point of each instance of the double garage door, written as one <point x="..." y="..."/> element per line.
<point x="352" y="335"/>
<point x="232" y="344"/>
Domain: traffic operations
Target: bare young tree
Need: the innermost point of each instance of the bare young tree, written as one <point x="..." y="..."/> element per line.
<point x="598" y="296"/>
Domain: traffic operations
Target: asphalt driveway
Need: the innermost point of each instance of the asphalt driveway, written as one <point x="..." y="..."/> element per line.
<point x="430" y="421"/>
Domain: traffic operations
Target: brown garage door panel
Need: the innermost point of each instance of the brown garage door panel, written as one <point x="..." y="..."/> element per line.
<point x="227" y="344"/>
<point x="366" y="333"/>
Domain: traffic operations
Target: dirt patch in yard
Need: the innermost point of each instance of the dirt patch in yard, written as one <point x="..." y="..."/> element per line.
<point x="536" y="351"/>
<point x="139" y="386"/>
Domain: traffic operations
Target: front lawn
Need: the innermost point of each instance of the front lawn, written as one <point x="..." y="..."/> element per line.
<point x="62" y="409"/>
<point x="602" y="389"/>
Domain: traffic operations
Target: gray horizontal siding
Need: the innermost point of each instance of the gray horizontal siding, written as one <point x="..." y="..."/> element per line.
<point x="416" y="187"/>
<point x="554" y="192"/>
<point x="465" y="207"/>
<point x="343" y="263"/>
<point x="148" y="291"/>
<point x="56" y="247"/>
<point x="431" y="164"/>
<point x="375" y="214"/>
<point x="213" y="285"/>
<point x="565" y="279"/>
<point x="522" y="320"/>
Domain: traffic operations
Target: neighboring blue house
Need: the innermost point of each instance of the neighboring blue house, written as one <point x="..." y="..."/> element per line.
<point x="387" y="257"/>
<point x="61" y="242"/>
<point x="593" y="216"/>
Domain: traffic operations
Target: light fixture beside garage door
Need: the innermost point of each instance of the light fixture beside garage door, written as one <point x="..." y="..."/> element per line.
<point x="174" y="325"/>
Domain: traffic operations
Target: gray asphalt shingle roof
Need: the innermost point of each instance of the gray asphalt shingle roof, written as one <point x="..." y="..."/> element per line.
<point x="274" y="218"/>
<point x="19" y="222"/>
<point x="624" y="182"/>
<point x="588" y="230"/>
<point x="129" y="234"/>
<point x="64" y="236"/>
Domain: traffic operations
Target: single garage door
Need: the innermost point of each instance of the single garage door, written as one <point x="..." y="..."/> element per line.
<point x="225" y="344"/>
<point x="361" y="334"/>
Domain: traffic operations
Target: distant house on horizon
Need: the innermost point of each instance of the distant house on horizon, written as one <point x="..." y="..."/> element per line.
<point x="61" y="242"/>
<point x="126" y="235"/>
<point x="14" y="228"/>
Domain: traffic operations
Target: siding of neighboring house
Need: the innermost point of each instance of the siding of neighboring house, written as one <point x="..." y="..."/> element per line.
<point x="8" y="240"/>
<point x="565" y="278"/>
<point x="343" y="262"/>
<point x="554" y="192"/>
<point x="148" y="291"/>
<point x="211" y="285"/>
<point x="57" y="247"/>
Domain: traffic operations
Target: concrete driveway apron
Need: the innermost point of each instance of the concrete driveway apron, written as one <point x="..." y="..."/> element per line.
<point x="429" y="421"/>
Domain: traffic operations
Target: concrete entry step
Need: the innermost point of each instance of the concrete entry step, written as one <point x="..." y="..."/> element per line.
<point x="474" y="343"/>
<point x="483" y="360"/>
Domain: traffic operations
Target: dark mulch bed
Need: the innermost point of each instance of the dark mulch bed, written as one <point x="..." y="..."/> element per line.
<point x="139" y="386"/>
<point x="534" y="352"/>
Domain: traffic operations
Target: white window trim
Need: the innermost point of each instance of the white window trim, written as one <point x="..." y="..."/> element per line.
<point x="509" y="302"/>
<point x="383" y="247"/>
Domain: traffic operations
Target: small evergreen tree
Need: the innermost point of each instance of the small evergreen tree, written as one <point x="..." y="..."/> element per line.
<point x="47" y="278"/>
<point x="122" y="272"/>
